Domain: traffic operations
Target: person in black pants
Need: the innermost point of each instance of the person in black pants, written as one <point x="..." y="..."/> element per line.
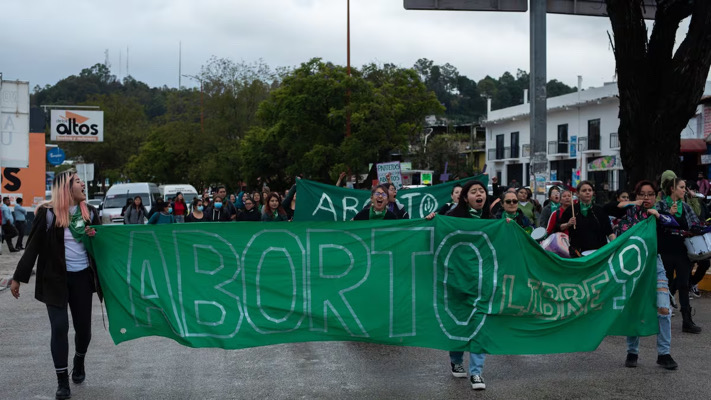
<point x="587" y="224"/>
<point x="66" y="273"/>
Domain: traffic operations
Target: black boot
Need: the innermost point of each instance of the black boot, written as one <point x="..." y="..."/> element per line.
<point x="688" y="324"/>
<point x="78" y="373"/>
<point x="63" y="391"/>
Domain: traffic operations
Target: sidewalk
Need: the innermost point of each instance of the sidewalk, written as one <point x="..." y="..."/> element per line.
<point x="8" y="262"/>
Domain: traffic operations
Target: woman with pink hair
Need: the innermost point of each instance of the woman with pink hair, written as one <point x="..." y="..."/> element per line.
<point x="66" y="273"/>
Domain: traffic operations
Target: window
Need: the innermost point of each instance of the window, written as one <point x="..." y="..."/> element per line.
<point x="514" y="145"/>
<point x="594" y="134"/>
<point x="499" y="147"/>
<point x="563" y="139"/>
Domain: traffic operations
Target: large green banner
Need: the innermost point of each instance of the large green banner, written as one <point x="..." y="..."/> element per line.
<point x="449" y="283"/>
<point x="320" y="202"/>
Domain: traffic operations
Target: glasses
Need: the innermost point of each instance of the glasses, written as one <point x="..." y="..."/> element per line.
<point x="248" y="204"/>
<point x="511" y="201"/>
<point x="644" y="195"/>
<point x="380" y="194"/>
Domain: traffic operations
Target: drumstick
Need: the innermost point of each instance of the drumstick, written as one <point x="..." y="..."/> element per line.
<point x="573" y="205"/>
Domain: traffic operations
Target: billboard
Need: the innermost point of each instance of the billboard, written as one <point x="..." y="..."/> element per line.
<point x="28" y="183"/>
<point x="77" y="126"/>
<point x="14" y="124"/>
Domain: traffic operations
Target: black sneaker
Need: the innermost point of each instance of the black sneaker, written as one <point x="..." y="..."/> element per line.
<point x="631" y="361"/>
<point x="477" y="382"/>
<point x="458" y="370"/>
<point x="694" y="291"/>
<point x="666" y="361"/>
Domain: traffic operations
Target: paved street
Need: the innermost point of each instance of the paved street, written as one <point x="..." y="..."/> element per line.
<point x="158" y="368"/>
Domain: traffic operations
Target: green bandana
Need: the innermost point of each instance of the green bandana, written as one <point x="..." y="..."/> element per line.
<point x="679" y="207"/>
<point x="511" y="216"/>
<point x="554" y="207"/>
<point x="376" y="214"/>
<point x="77" y="225"/>
<point x="475" y="213"/>
<point x="584" y="208"/>
<point x="275" y="214"/>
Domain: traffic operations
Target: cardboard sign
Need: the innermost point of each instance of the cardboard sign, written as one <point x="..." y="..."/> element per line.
<point x="393" y="168"/>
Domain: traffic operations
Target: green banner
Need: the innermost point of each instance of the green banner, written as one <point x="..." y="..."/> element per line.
<point x="449" y="283"/>
<point x="320" y="202"/>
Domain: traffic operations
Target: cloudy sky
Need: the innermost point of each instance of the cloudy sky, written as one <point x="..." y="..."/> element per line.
<point x="43" y="41"/>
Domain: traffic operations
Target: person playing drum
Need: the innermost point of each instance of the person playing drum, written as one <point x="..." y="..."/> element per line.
<point x="646" y="193"/>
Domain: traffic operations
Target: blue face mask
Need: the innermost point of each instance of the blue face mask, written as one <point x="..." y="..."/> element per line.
<point x="200" y="208"/>
<point x="170" y="210"/>
<point x="218" y="205"/>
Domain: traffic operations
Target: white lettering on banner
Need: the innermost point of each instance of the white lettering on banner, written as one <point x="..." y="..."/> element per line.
<point x="331" y="209"/>
<point x="347" y="207"/>
<point x="323" y="275"/>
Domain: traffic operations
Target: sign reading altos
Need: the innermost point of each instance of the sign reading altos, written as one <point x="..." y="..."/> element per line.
<point x="77" y="126"/>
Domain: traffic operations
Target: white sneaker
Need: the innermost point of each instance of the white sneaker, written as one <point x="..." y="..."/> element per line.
<point x="458" y="370"/>
<point x="477" y="382"/>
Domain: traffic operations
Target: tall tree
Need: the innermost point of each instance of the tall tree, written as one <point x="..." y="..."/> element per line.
<point x="659" y="88"/>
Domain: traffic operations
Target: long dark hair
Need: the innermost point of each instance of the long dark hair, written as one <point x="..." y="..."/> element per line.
<point x="462" y="208"/>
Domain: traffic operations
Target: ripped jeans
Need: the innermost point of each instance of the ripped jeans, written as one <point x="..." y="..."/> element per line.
<point x="663" y="315"/>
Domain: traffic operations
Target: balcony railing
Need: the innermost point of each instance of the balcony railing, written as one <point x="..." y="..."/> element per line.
<point x="557" y="148"/>
<point x="507" y="152"/>
<point x="585" y="144"/>
<point x="492" y="154"/>
<point x="515" y="151"/>
<point x="614" y="140"/>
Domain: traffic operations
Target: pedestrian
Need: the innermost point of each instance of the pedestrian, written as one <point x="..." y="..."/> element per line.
<point x="257" y="198"/>
<point x="588" y="225"/>
<point x="66" y="272"/>
<point x="20" y="215"/>
<point x="377" y="209"/>
<point x="8" y="224"/>
<point x="647" y="193"/>
<point x="456" y="191"/>
<point x="273" y="211"/>
<point x="524" y="204"/>
<point x="702" y="266"/>
<point x="672" y="248"/>
<point x="136" y="213"/>
<point x="496" y="188"/>
<point x="250" y="212"/>
<point x="552" y="206"/>
<point x="511" y="212"/>
<point x="163" y="216"/>
<point x="703" y="184"/>
<point x="155" y="208"/>
<point x="197" y="214"/>
<point x="217" y="212"/>
<point x="180" y="208"/>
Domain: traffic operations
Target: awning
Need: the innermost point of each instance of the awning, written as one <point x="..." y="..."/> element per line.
<point x="693" y="146"/>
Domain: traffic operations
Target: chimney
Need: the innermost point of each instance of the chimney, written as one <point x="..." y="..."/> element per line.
<point x="580" y="83"/>
<point x="525" y="96"/>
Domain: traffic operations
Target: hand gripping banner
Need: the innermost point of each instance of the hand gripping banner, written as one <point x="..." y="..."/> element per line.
<point x="320" y="202"/>
<point x="449" y="283"/>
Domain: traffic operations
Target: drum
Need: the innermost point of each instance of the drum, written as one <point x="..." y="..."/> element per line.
<point x="539" y="234"/>
<point x="698" y="247"/>
<point x="587" y="252"/>
<point x="557" y="243"/>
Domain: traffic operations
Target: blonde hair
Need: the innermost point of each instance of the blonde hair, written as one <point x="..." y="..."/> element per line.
<point x="62" y="199"/>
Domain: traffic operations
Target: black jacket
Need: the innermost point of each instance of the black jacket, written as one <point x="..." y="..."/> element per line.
<point x="590" y="231"/>
<point x="46" y="247"/>
<point x="252" y="215"/>
<point x="364" y="215"/>
<point x="217" y="214"/>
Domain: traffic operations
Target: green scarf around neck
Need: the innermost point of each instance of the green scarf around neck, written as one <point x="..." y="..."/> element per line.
<point x="376" y="214"/>
<point x="77" y="226"/>
<point x="554" y="207"/>
<point x="511" y="216"/>
<point x="475" y="213"/>
<point x="679" y="207"/>
<point x="584" y="208"/>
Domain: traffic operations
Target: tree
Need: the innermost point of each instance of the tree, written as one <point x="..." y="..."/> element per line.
<point x="659" y="88"/>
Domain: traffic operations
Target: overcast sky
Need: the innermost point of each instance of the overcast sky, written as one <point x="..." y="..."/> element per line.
<point x="43" y="41"/>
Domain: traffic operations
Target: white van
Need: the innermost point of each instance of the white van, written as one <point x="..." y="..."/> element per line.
<point x="170" y="191"/>
<point x="116" y="197"/>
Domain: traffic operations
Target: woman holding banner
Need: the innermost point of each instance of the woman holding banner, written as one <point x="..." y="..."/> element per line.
<point x="472" y="204"/>
<point x="378" y="206"/>
<point x="511" y="211"/>
<point x="66" y="273"/>
<point x="646" y="192"/>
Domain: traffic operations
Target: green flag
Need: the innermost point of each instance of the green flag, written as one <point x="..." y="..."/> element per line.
<point x="320" y="202"/>
<point x="449" y="283"/>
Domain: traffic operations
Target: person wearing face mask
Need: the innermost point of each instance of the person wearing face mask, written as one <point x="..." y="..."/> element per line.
<point x="163" y="216"/>
<point x="552" y="206"/>
<point x="588" y="225"/>
<point x="197" y="215"/>
<point x="216" y="212"/>
<point x="273" y="211"/>
<point x="250" y="212"/>
<point x="377" y="209"/>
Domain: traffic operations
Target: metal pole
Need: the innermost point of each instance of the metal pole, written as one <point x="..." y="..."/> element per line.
<point x="539" y="164"/>
<point x="348" y="64"/>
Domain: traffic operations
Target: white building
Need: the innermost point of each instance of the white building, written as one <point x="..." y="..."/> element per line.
<point x="581" y="134"/>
